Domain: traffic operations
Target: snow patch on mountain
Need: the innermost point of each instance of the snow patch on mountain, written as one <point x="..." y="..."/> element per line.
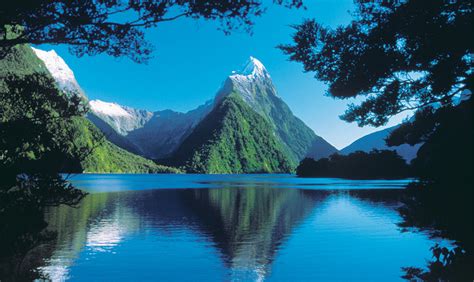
<point x="253" y="68"/>
<point x="109" y="109"/>
<point x="62" y="74"/>
<point x="252" y="81"/>
<point x="122" y="119"/>
<point x="252" y="72"/>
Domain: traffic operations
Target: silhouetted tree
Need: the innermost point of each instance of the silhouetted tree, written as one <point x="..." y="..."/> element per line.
<point x="443" y="198"/>
<point x="447" y="136"/>
<point x="35" y="144"/>
<point x="400" y="55"/>
<point x="34" y="127"/>
<point x="114" y="27"/>
<point x="408" y="55"/>
<point x="448" y="265"/>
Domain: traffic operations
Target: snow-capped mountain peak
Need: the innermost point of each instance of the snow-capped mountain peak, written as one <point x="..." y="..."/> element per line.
<point x="108" y="109"/>
<point x="253" y="68"/>
<point x="62" y="74"/>
<point x="252" y="82"/>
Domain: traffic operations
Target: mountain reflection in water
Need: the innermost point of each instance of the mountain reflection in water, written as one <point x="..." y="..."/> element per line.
<point x="230" y="233"/>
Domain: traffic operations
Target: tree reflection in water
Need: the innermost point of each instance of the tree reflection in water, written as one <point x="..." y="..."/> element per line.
<point x="247" y="225"/>
<point x="22" y="224"/>
<point x="447" y="213"/>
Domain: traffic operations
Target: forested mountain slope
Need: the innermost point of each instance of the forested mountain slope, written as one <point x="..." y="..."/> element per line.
<point x="104" y="156"/>
<point x="232" y="138"/>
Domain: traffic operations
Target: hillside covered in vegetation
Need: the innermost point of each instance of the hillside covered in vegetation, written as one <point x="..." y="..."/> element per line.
<point x="232" y="138"/>
<point x="27" y="90"/>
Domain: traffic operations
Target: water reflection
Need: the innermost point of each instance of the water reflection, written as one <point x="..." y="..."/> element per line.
<point x="251" y="233"/>
<point x="249" y="224"/>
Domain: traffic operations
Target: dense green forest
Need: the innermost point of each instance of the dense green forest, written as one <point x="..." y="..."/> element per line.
<point x="107" y="157"/>
<point x="377" y="164"/>
<point x="297" y="139"/>
<point x="87" y="149"/>
<point x="232" y="138"/>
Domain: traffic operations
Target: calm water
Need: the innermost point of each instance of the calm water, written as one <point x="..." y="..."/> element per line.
<point x="227" y="227"/>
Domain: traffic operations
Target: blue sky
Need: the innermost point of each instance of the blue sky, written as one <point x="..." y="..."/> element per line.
<point x="193" y="58"/>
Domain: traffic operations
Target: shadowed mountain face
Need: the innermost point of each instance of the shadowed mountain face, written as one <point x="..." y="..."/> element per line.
<point x="166" y="130"/>
<point x="376" y="140"/>
<point x="111" y="134"/>
<point x="155" y="135"/>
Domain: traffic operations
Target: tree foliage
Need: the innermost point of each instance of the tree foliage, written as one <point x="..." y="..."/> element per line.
<point x="447" y="156"/>
<point x="399" y="55"/>
<point x="34" y="130"/>
<point x="43" y="132"/>
<point x="34" y="145"/>
<point x="115" y="27"/>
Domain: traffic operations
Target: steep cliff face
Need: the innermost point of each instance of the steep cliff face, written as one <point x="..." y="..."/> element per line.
<point x="60" y="71"/>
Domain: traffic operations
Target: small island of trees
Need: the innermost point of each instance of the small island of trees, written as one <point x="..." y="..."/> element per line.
<point x="376" y="164"/>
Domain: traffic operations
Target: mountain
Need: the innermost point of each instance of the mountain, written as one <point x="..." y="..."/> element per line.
<point x="150" y="134"/>
<point x="166" y="130"/>
<point x="155" y="135"/>
<point x="105" y="157"/>
<point x="158" y="135"/>
<point x="254" y="84"/>
<point x="121" y="119"/>
<point x="21" y="61"/>
<point x="232" y="138"/>
<point x="60" y="71"/>
<point x="116" y="121"/>
<point x="376" y="140"/>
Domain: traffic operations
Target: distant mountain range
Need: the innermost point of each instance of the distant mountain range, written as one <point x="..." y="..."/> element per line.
<point x="376" y="140"/>
<point x="247" y="100"/>
<point x="166" y="134"/>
